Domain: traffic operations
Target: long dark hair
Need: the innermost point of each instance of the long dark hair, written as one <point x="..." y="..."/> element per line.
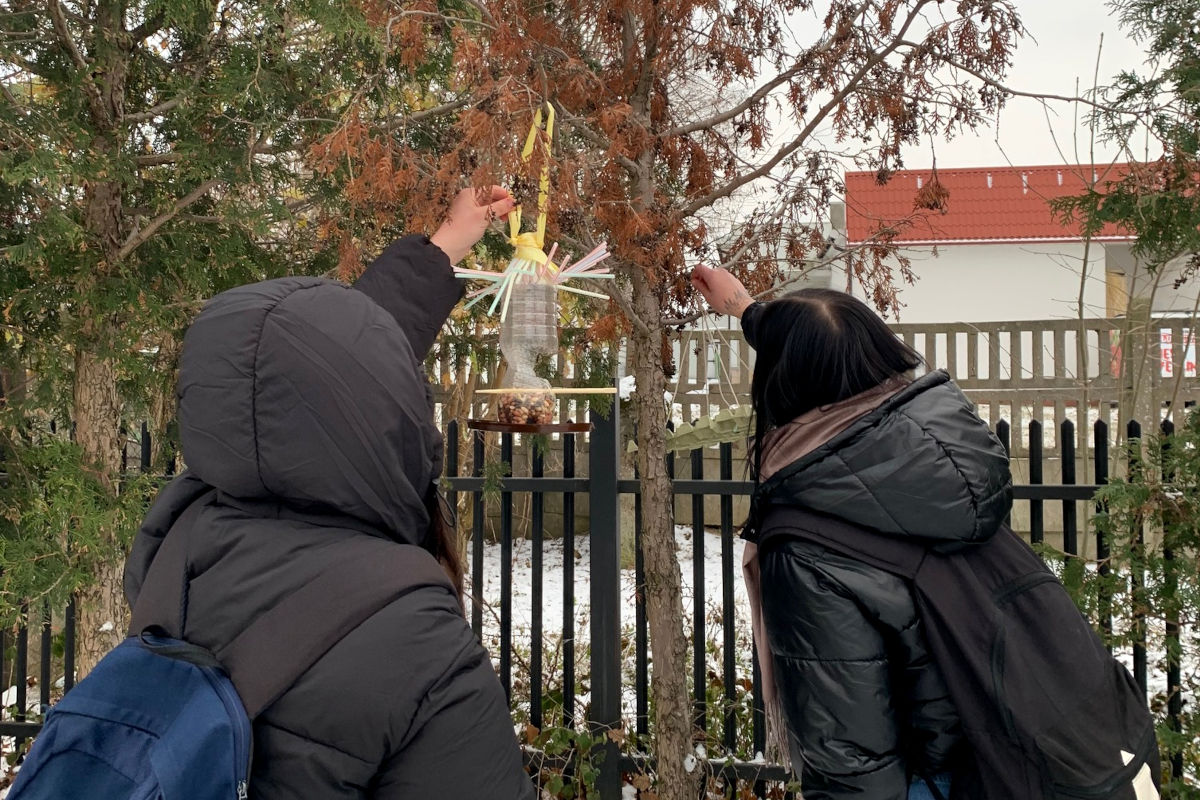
<point x="816" y="347"/>
<point x="442" y="539"/>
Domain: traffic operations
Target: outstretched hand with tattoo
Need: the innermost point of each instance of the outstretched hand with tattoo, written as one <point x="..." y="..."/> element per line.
<point x="725" y="293"/>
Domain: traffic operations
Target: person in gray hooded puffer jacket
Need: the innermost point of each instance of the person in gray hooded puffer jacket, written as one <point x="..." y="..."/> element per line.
<point x="308" y="434"/>
<point x="844" y="432"/>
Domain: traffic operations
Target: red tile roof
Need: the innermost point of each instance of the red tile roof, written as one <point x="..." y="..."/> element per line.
<point x="1002" y="204"/>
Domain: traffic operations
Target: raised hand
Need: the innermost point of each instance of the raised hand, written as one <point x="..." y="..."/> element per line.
<point x="725" y="293"/>
<point x="470" y="214"/>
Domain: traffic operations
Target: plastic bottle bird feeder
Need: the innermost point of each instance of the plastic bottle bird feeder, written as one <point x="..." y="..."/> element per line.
<point x="525" y="295"/>
<point x="528" y="332"/>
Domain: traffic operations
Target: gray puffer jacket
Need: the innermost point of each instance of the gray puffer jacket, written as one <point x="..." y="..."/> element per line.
<point x="866" y="706"/>
<point x="308" y="432"/>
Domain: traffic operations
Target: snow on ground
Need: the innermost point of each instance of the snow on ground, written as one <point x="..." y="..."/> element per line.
<point x="552" y="607"/>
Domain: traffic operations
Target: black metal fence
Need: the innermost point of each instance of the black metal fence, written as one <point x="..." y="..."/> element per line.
<point x="605" y="688"/>
<point x="725" y="694"/>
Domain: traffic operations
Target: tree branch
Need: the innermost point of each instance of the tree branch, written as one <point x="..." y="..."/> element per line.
<point x="148" y="28"/>
<point x="759" y="94"/>
<point x="9" y="96"/>
<point x="153" y="111"/>
<point x="142" y="235"/>
<point x="626" y="305"/>
<point x="824" y="261"/>
<point x="437" y="111"/>
<point x="158" y="159"/>
<point x="64" y="35"/>
<point x="173" y="157"/>
<point x="587" y="132"/>
<point x="995" y="84"/>
<point x="808" y="130"/>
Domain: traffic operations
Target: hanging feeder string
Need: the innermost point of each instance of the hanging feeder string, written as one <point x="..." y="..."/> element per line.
<point x="531" y="246"/>
<point x="530" y="258"/>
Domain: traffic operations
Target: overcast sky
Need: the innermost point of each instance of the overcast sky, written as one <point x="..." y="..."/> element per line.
<point x="1061" y="46"/>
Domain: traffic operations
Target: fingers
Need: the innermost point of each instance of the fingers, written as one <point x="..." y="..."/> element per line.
<point x="501" y="207"/>
<point x="499" y="193"/>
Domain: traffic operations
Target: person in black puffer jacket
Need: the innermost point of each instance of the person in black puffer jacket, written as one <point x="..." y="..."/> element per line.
<point x="308" y="433"/>
<point x="844" y="431"/>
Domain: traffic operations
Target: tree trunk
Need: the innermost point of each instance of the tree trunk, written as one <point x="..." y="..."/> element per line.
<point x="664" y="597"/>
<point x="102" y="611"/>
<point x="103" y="617"/>
<point x="163" y="405"/>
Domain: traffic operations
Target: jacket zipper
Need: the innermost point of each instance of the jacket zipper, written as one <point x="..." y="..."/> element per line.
<point x="242" y="743"/>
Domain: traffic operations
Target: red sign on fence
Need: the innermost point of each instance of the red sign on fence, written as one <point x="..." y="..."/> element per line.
<point x="1167" y="353"/>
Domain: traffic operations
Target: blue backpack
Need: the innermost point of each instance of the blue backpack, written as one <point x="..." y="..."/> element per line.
<point x="160" y="718"/>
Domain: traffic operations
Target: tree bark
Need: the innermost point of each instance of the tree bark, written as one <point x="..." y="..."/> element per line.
<point x="103" y="616"/>
<point x="664" y="596"/>
<point x="163" y="405"/>
<point x="102" y="611"/>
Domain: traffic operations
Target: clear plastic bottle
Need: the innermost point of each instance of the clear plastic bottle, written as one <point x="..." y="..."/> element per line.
<point x="529" y="331"/>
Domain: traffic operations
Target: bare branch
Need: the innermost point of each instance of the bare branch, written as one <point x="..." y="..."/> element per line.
<point x="759" y="94"/>
<point x="148" y="28"/>
<point x="475" y="4"/>
<point x="997" y="85"/>
<point x="586" y="131"/>
<point x="152" y="112"/>
<point x="9" y="96"/>
<point x="142" y="235"/>
<point x="437" y="111"/>
<point x="64" y="35"/>
<point x="173" y="157"/>
<point x="158" y="159"/>
<point x="795" y="144"/>
<point x="624" y="303"/>
<point x="823" y="261"/>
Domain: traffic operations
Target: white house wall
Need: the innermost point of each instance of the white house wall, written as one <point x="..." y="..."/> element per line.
<point x="1000" y="282"/>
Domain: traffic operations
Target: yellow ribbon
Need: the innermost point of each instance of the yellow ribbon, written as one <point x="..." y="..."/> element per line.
<point x="531" y="245"/>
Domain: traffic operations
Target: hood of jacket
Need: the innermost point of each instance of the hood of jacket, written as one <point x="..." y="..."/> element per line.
<point x="921" y="465"/>
<point x="307" y="394"/>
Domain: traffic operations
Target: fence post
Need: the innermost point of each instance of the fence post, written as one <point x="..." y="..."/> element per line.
<point x="603" y="467"/>
<point x="1172" y="612"/>
<point x="537" y="470"/>
<point x="1100" y="449"/>
<point x="1133" y="435"/>
<point x="1066" y="449"/>
<point x="506" y="560"/>
<point x="568" y="620"/>
<point x="477" y="513"/>
<point x="1036" y="519"/>
<point x="21" y="674"/>
<point x="699" y="654"/>
<point x="1004" y="434"/>
<point x="729" y="641"/>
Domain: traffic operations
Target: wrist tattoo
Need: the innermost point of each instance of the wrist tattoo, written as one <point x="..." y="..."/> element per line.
<point x="740" y="297"/>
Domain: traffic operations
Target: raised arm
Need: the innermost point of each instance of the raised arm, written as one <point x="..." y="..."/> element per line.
<point x="413" y="278"/>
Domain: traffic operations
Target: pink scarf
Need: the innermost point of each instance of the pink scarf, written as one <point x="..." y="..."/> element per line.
<point x="781" y="447"/>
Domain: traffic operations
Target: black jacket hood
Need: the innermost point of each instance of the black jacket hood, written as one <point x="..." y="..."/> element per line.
<point x="306" y="393"/>
<point x="922" y="465"/>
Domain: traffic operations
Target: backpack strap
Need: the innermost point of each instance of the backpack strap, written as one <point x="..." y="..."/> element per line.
<point x="892" y="554"/>
<point x="265" y="659"/>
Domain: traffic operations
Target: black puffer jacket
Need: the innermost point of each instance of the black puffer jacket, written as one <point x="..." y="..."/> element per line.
<point x="866" y="707"/>
<point x="307" y="431"/>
